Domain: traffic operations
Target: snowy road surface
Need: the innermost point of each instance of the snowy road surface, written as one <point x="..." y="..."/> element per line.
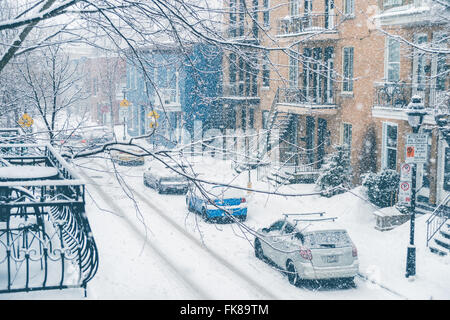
<point x="177" y="255"/>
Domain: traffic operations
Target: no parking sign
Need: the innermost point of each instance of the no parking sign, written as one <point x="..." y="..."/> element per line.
<point x="406" y="172"/>
<point x="404" y="193"/>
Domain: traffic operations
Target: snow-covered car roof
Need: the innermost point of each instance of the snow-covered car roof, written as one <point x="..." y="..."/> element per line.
<point x="314" y="222"/>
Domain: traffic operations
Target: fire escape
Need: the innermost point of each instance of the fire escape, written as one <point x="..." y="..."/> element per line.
<point x="45" y="238"/>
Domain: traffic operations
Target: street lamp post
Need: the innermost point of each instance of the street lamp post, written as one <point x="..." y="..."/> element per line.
<point x="416" y="113"/>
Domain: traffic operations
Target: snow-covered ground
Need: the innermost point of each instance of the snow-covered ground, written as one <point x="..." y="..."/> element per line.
<point x="161" y="251"/>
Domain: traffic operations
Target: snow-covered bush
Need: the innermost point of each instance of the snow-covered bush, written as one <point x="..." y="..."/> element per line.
<point x="336" y="172"/>
<point x="382" y="187"/>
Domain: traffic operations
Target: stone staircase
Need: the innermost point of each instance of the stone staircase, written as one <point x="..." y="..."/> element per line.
<point x="280" y="123"/>
<point x="292" y="174"/>
<point x="441" y="241"/>
<point x="438" y="229"/>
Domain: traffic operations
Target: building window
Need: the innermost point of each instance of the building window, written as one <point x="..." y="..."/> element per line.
<point x="243" y="119"/>
<point x="293" y="69"/>
<point x="308" y="6"/>
<point x="419" y="64"/>
<point x="390" y="3"/>
<point x="392" y="73"/>
<point x="447" y="169"/>
<point x="251" y="118"/>
<point x="266" y="69"/>
<point x="349" y="7"/>
<point x="347" y="71"/>
<point x="266" y="13"/>
<point x="389" y="154"/>
<point x="265" y="119"/>
<point x="293" y="7"/>
<point x="347" y="135"/>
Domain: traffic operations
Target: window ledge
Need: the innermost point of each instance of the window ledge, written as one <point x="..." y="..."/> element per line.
<point x="346" y="94"/>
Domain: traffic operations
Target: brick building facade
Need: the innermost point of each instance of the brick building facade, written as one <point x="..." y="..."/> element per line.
<point x="327" y="72"/>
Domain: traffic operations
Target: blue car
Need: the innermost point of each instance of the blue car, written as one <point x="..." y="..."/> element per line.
<point x="225" y="199"/>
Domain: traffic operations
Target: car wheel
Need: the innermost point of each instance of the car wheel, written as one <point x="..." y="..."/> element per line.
<point x="259" y="253"/>
<point x="188" y="203"/>
<point x="243" y="218"/>
<point x="292" y="273"/>
<point x="160" y="190"/>
<point x="205" y="215"/>
<point x="349" y="282"/>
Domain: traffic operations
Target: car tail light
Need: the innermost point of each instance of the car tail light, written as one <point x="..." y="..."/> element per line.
<point x="305" y="253"/>
<point x="83" y="141"/>
<point x="243" y="200"/>
<point x="354" y="251"/>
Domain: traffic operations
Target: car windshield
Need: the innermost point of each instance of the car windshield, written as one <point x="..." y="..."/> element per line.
<point x="327" y="239"/>
<point x="226" y="192"/>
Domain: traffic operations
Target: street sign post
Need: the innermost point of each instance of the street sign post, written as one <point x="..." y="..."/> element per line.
<point x="123" y="111"/>
<point x="406" y="172"/>
<point x="153" y="116"/>
<point x="404" y="193"/>
<point x="416" y="148"/>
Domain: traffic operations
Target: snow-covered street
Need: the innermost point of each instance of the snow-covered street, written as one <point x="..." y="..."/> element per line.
<point x="151" y="247"/>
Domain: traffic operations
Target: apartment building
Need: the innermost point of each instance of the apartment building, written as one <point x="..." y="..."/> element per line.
<point x="180" y="86"/>
<point x="105" y="79"/>
<point x="341" y="72"/>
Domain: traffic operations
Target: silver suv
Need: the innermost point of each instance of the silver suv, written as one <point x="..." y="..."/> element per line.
<point x="315" y="249"/>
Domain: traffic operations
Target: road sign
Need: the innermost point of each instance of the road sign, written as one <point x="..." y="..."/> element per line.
<point x="416" y="148"/>
<point x="25" y="120"/>
<point x="153" y="114"/>
<point x="406" y="172"/>
<point x="404" y="193"/>
<point x="123" y="112"/>
<point x="124" y="103"/>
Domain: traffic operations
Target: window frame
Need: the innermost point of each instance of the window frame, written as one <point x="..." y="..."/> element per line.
<point x="385" y="147"/>
<point x="349" y="8"/>
<point x="348" y="83"/>
<point x="388" y="63"/>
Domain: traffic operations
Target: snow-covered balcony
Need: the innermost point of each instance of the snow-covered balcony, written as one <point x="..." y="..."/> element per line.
<point x="409" y="12"/>
<point x="320" y="23"/>
<point x="392" y="98"/>
<point x="240" y="91"/>
<point x="242" y="32"/>
<point x="307" y="100"/>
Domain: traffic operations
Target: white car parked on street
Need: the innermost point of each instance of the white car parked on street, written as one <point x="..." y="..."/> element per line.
<point x="165" y="180"/>
<point x="308" y="249"/>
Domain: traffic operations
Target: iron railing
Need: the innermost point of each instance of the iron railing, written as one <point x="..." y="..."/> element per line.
<point x="438" y="218"/>
<point x="240" y="90"/>
<point x="45" y="238"/>
<point x="310" y="96"/>
<point x="398" y="95"/>
<point x="241" y="31"/>
<point x="307" y="23"/>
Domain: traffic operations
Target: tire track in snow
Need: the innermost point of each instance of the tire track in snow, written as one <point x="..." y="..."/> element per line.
<point x="259" y="289"/>
<point x="111" y="203"/>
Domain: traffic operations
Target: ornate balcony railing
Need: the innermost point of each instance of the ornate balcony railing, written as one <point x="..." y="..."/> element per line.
<point x="240" y="90"/>
<point x="242" y="32"/>
<point x="398" y="95"/>
<point x="291" y="25"/>
<point x="45" y="238"/>
<point x="308" y="97"/>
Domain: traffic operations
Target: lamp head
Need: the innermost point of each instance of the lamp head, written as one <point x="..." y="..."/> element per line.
<point x="416" y="112"/>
